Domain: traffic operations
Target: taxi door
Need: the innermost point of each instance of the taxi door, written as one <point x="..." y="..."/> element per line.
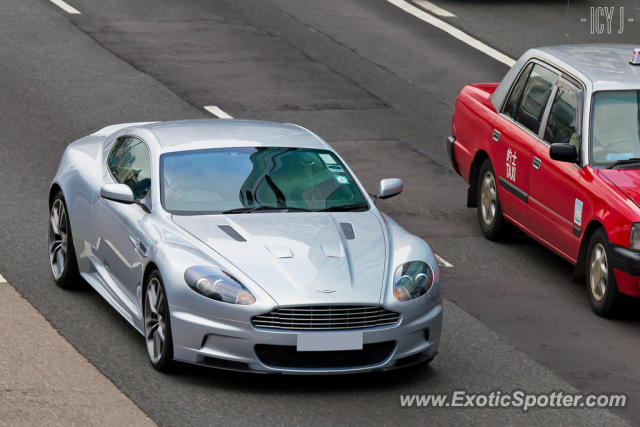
<point x="523" y="113"/>
<point x="555" y="213"/>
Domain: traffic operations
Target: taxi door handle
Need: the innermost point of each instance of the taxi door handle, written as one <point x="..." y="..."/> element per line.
<point x="536" y="163"/>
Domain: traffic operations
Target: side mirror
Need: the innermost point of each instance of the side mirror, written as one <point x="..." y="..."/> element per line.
<point x="563" y="152"/>
<point x="117" y="192"/>
<point x="389" y="187"/>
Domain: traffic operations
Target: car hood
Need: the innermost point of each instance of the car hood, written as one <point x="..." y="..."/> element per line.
<point x="301" y="258"/>
<point x="627" y="180"/>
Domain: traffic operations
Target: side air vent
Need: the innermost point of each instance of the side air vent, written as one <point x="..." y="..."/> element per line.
<point x="347" y="229"/>
<point x="232" y="233"/>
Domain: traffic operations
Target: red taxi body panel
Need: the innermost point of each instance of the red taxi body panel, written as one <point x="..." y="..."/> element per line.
<point x="557" y="203"/>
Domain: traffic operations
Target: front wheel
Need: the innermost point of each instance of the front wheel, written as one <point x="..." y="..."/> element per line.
<point x="601" y="281"/>
<point x="492" y="222"/>
<point x="157" y="324"/>
<point x="62" y="256"/>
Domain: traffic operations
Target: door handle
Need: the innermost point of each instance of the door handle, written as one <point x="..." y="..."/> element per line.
<point x="536" y="163"/>
<point x="495" y="135"/>
<point x="138" y="246"/>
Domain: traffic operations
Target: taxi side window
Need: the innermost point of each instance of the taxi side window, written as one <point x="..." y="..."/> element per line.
<point x="562" y="121"/>
<point x="130" y="163"/>
<point x="528" y="108"/>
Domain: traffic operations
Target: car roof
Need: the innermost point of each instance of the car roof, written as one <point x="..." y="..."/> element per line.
<point x="217" y="133"/>
<point x="599" y="66"/>
<point x="605" y="65"/>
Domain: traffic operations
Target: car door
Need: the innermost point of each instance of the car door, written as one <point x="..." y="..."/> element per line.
<point x="552" y="202"/>
<point x="122" y="246"/>
<point x="521" y="119"/>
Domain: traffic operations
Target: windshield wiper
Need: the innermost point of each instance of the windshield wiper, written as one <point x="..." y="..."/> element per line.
<point x="624" y="162"/>
<point x="353" y="207"/>
<point x="262" y="208"/>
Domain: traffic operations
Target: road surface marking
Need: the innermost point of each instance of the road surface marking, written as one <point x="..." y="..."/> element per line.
<point x="453" y="31"/>
<point x="66" y="7"/>
<point x="443" y="262"/>
<point x="217" y="111"/>
<point x="2" y="279"/>
<point x="434" y="9"/>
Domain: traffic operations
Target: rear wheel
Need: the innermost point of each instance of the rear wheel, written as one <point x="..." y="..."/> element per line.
<point x="601" y="281"/>
<point x="157" y="324"/>
<point x="492" y="222"/>
<point x="62" y="256"/>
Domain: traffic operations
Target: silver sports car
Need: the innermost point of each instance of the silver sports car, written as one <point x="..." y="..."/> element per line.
<point x="243" y="245"/>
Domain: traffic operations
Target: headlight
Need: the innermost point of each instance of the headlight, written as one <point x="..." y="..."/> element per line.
<point x="215" y="284"/>
<point x="411" y="280"/>
<point x="634" y="240"/>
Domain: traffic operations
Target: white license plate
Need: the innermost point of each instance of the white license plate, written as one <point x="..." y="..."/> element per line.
<point x="329" y="341"/>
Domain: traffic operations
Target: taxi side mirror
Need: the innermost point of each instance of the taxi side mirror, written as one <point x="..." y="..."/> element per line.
<point x="563" y="152"/>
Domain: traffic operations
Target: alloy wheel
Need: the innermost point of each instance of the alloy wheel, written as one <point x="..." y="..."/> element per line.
<point x="154" y="320"/>
<point x="58" y="244"/>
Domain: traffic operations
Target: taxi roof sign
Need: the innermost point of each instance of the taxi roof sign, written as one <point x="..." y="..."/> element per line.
<point x="635" y="58"/>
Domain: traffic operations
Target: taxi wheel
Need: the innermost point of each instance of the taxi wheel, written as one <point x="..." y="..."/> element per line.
<point x="601" y="281"/>
<point x="490" y="216"/>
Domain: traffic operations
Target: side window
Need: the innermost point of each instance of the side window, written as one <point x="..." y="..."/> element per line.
<point x="562" y="123"/>
<point x="511" y="106"/>
<point x="130" y="163"/>
<point x="529" y="109"/>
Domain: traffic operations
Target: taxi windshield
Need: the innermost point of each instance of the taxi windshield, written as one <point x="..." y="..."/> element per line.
<point x="615" y="127"/>
<point x="257" y="179"/>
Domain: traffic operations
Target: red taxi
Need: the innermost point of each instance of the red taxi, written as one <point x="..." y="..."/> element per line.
<point x="554" y="149"/>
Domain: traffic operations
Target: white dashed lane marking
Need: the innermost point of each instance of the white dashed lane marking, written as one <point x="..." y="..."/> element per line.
<point x="217" y="111"/>
<point x="66" y="7"/>
<point x="443" y="262"/>
<point x="427" y="5"/>
<point x="453" y="31"/>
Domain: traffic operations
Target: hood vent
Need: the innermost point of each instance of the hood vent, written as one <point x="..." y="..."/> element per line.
<point x="232" y="233"/>
<point x="347" y="229"/>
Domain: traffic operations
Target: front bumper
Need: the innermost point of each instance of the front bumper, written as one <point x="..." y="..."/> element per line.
<point x="626" y="267"/>
<point x="236" y="345"/>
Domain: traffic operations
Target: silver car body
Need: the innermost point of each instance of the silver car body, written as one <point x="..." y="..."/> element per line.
<point x="286" y="259"/>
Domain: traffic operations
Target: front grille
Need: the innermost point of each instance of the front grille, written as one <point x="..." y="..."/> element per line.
<point x="326" y="317"/>
<point x="284" y="356"/>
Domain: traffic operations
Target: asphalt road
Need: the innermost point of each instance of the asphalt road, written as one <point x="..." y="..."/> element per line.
<point x="376" y="83"/>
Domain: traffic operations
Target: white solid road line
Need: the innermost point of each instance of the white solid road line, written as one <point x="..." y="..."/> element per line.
<point x="443" y="262"/>
<point x="2" y="279"/>
<point x="217" y="111"/>
<point x="66" y="7"/>
<point x="453" y="31"/>
<point x="434" y="9"/>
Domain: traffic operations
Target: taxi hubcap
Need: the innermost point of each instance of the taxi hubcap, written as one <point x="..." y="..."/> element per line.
<point x="154" y="320"/>
<point x="488" y="198"/>
<point x="598" y="272"/>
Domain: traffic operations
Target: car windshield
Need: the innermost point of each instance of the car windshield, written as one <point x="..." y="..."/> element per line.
<point x="615" y="127"/>
<point x="241" y="180"/>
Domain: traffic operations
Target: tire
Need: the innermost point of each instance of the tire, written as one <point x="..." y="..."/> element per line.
<point x="492" y="223"/>
<point x="602" y="289"/>
<point x="62" y="254"/>
<point x="157" y="324"/>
